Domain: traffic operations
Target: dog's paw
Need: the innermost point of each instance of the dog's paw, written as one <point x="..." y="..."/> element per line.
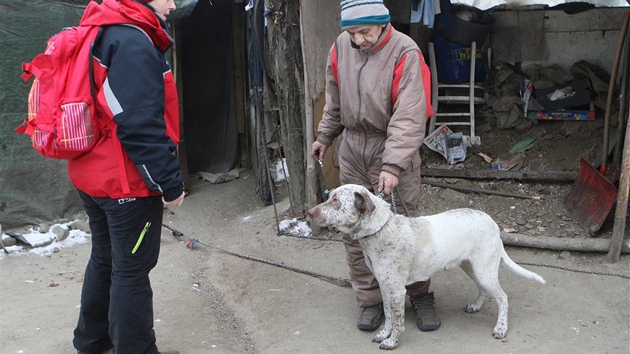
<point x="471" y="308"/>
<point x="381" y="336"/>
<point x="389" y="344"/>
<point x="499" y="333"/>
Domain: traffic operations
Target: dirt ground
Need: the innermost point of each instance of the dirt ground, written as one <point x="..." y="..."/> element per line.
<point x="210" y="301"/>
<point x="558" y="147"/>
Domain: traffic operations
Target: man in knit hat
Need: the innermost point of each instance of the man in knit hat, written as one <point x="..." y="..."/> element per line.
<point x="377" y="99"/>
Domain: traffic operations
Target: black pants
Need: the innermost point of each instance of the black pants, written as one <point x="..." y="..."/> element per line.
<point x="117" y="299"/>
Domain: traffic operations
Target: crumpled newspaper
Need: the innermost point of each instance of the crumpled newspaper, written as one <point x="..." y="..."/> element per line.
<point x="448" y="144"/>
<point x="456" y="148"/>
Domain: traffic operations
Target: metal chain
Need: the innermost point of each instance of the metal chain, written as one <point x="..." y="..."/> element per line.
<point x="337" y="281"/>
<point x="382" y="195"/>
<point x="309" y="237"/>
<point x="393" y="202"/>
<point x="345" y="282"/>
<point x="522" y="263"/>
<point x="576" y="270"/>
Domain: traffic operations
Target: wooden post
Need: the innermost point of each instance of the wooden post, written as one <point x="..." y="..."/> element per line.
<point x="614" y="253"/>
<point x="611" y="88"/>
<point x="309" y="136"/>
<point x="616" y="241"/>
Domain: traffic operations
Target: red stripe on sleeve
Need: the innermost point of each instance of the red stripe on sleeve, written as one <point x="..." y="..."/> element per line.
<point x="334" y="64"/>
<point x="426" y="81"/>
<point x="398" y="71"/>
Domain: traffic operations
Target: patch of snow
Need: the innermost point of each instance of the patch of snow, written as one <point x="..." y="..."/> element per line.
<point x="295" y="228"/>
<point x="48" y="240"/>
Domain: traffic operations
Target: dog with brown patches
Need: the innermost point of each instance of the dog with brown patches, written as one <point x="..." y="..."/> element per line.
<point x="400" y="250"/>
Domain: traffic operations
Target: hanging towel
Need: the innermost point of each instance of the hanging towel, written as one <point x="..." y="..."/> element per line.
<point x="423" y="9"/>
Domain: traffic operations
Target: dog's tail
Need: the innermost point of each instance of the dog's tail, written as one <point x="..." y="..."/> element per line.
<point x="511" y="265"/>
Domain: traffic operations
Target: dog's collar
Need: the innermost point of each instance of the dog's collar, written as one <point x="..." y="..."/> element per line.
<point x="379" y="229"/>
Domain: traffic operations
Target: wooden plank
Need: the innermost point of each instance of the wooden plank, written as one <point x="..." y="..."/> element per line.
<point x="563" y="176"/>
<point x="560" y="244"/>
<point x="479" y="190"/>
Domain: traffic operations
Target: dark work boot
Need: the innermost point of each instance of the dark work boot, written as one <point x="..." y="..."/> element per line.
<point x="370" y="318"/>
<point x="424" y="308"/>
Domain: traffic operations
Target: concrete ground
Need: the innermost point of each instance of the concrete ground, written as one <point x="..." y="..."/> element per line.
<point x="209" y="301"/>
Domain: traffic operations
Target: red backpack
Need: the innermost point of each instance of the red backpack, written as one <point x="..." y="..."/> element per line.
<point x="62" y="119"/>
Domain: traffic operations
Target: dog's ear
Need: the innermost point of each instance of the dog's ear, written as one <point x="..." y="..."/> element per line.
<point x="363" y="202"/>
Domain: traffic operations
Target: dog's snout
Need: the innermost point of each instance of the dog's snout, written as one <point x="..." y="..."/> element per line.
<point x="313" y="212"/>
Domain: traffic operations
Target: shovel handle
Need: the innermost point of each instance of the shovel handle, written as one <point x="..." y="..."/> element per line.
<point x="611" y="88"/>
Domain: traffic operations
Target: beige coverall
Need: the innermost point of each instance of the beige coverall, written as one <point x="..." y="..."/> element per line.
<point x="377" y="100"/>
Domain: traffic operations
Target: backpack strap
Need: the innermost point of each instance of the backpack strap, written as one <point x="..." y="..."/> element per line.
<point x="41" y="61"/>
<point x="34" y="67"/>
<point x="91" y="69"/>
<point x="109" y="122"/>
<point x="104" y="120"/>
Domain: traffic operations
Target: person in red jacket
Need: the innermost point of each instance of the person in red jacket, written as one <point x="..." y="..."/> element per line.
<point x="131" y="173"/>
<point x="377" y="99"/>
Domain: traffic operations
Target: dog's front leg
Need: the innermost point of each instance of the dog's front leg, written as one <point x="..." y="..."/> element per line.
<point x="394" y="306"/>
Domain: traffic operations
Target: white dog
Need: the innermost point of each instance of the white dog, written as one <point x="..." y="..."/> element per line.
<point x="401" y="250"/>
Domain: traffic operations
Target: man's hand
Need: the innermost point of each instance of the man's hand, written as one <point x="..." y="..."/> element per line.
<point x="176" y="202"/>
<point x="318" y="150"/>
<point x="387" y="182"/>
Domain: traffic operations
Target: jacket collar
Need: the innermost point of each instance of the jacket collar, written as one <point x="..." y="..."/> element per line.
<point x="384" y="38"/>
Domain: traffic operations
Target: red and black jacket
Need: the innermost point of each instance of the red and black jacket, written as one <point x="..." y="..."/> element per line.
<point x="137" y="90"/>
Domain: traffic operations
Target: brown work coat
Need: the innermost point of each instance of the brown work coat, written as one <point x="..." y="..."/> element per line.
<point x="379" y="99"/>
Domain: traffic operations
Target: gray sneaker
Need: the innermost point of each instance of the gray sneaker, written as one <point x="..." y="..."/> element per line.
<point x="370" y="318"/>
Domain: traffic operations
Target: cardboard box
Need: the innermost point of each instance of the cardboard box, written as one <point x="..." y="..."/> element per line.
<point x="561" y="115"/>
<point x="571" y="94"/>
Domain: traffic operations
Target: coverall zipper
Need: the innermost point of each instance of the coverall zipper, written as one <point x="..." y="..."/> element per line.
<point x="367" y="56"/>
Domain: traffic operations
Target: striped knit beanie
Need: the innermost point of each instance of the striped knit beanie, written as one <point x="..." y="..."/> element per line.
<point x="363" y="12"/>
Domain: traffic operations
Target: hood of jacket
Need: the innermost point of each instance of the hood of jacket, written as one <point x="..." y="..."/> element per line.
<point x="117" y="12"/>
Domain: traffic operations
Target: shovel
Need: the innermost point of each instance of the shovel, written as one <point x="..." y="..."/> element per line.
<point x="591" y="197"/>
